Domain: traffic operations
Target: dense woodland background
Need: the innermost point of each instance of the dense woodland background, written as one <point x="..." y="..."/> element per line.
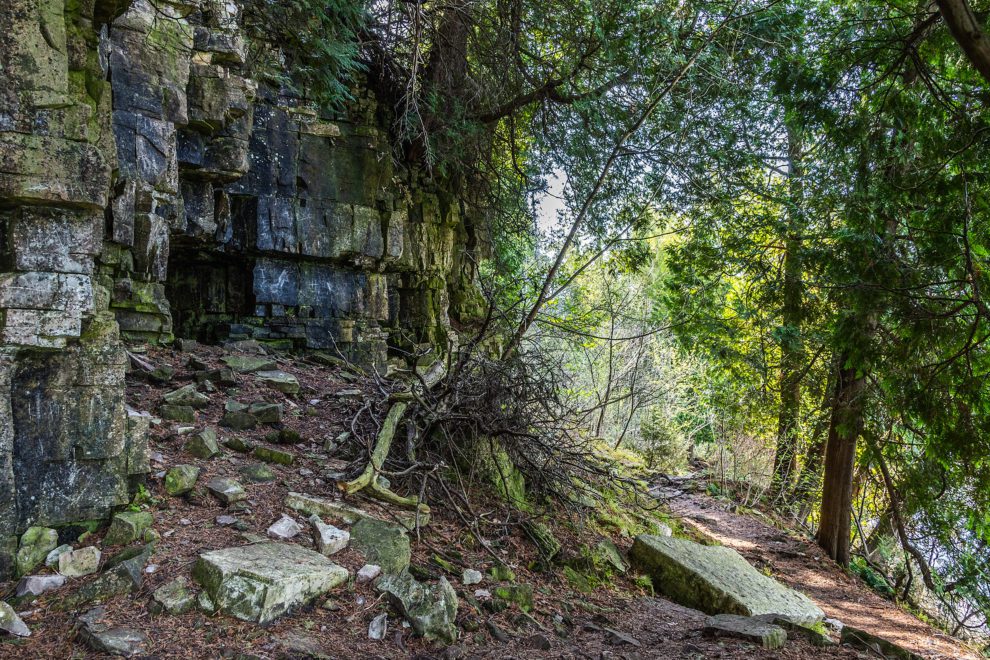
<point x="749" y="237"/>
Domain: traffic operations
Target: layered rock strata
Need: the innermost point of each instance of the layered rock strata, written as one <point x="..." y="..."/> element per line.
<point x="151" y="187"/>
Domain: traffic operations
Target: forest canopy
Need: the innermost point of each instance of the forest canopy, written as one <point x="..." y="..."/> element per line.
<point x="751" y="234"/>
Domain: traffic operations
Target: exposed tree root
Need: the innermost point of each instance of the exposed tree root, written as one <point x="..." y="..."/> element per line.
<point x="368" y="479"/>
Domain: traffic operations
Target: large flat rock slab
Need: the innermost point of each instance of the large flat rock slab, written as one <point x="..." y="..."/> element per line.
<point x="263" y="581"/>
<point x="717" y="580"/>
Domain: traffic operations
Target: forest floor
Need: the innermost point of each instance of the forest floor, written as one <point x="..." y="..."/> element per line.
<point x="618" y="619"/>
<point x="797" y="562"/>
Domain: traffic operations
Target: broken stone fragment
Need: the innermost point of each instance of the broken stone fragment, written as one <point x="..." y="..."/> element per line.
<point x="378" y="627"/>
<point x="221" y="376"/>
<point x="11" y="623"/>
<point x="329" y="539"/>
<point x="284" y="437"/>
<point x="748" y="628"/>
<point x="184" y="414"/>
<point x="239" y="420"/>
<point x="431" y="609"/>
<point x="187" y="396"/>
<point x="814" y="636"/>
<point x="111" y="640"/>
<point x="142" y="551"/>
<point x="245" y="364"/>
<point x="175" y="597"/>
<point x="185" y="345"/>
<point x="273" y="455"/>
<point x="543" y="538"/>
<point x="181" y="479"/>
<point x="382" y="543"/>
<point x="128" y="526"/>
<point x="605" y="553"/>
<point x="35" y="544"/>
<point x="226" y="490"/>
<point x="256" y="473"/>
<point x="203" y="444"/>
<point x="619" y="638"/>
<point x="471" y="576"/>
<point x="266" y="413"/>
<point x="262" y="581"/>
<point x="83" y="561"/>
<point x="238" y="445"/>
<point x="368" y="572"/>
<point x="35" y="585"/>
<point x="279" y="380"/>
<point x="51" y="560"/>
<point x="296" y="644"/>
<point x="284" y="528"/>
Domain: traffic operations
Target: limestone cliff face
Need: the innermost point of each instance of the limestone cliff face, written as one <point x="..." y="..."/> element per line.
<point x="150" y="187"/>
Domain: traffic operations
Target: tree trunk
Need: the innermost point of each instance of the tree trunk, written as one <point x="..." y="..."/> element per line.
<point x="968" y="33"/>
<point x="845" y="427"/>
<point x="791" y="345"/>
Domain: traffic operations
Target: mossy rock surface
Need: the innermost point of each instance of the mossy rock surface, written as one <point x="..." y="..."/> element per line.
<point x="262" y="581"/>
<point x="256" y="473"/>
<point x="128" y="526"/>
<point x="176" y="413"/>
<point x="244" y="364"/>
<point x="759" y="632"/>
<point x="544" y="539"/>
<point x="717" y="580"/>
<point x="269" y="455"/>
<point x="175" y="597"/>
<point x="382" y="543"/>
<point x="431" y="609"/>
<point x="34" y="546"/>
<point x="520" y="595"/>
<point x="181" y="479"/>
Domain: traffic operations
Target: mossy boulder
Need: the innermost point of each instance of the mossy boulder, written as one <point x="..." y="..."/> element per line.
<point x="279" y="380"/>
<point x="128" y="526"/>
<point x="270" y="455"/>
<point x="187" y="396"/>
<point x="382" y="543"/>
<point x="543" y="538"/>
<point x="717" y="580"/>
<point x="226" y="490"/>
<point x="203" y="444"/>
<point x="256" y="473"/>
<point x="431" y="609"/>
<point x="174" y="597"/>
<point x="759" y="632"/>
<point x="181" y="479"/>
<point x="239" y="420"/>
<point x="34" y="547"/>
<point x="520" y="595"/>
<point x="174" y="413"/>
<point x="266" y="413"/>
